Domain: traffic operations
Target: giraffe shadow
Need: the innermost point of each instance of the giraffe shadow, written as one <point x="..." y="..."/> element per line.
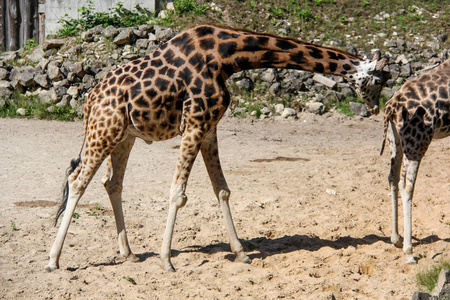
<point x="266" y="247"/>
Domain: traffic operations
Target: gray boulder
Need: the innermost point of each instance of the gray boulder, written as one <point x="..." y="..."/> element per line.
<point x="359" y="109"/>
<point x="125" y="36"/>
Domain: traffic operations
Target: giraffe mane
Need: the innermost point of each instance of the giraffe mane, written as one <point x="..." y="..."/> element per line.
<point x="349" y="55"/>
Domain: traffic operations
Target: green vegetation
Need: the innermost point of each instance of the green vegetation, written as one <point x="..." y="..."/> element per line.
<point x="118" y="16"/>
<point x="13" y="226"/>
<point x="129" y="279"/>
<point x="33" y="108"/>
<point x="76" y="215"/>
<point x="429" y="277"/>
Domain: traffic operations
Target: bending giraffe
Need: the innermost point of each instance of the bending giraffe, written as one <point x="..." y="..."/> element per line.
<point x="179" y="89"/>
<point x="415" y="115"/>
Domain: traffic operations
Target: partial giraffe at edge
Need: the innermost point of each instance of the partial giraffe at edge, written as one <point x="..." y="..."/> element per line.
<point x="179" y="89"/>
<point x="415" y="115"/>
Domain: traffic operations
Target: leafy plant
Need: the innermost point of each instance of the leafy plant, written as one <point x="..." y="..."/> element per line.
<point x="428" y="278"/>
<point x="189" y="6"/>
<point x="31" y="43"/>
<point x="129" y="279"/>
<point x="13" y="226"/>
<point x="118" y="16"/>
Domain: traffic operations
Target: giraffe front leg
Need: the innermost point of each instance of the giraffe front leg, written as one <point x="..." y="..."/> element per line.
<point x="113" y="183"/>
<point x="411" y="168"/>
<point x="210" y="153"/>
<point x="394" y="177"/>
<point x="189" y="148"/>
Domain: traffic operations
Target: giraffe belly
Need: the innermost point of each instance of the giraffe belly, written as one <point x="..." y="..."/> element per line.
<point x="155" y="127"/>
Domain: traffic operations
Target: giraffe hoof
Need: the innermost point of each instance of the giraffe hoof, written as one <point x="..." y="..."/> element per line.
<point x="132" y="257"/>
<point x="243" y="259"/>
<point x="49" y="268"/>
<point x="410" y="260"/>
<point x="169" y="268"/>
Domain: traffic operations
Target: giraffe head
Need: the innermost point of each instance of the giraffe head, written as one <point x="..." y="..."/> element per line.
<point x="369" y="79"/>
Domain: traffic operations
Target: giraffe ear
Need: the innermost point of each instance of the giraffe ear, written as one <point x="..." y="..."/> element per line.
<point x="381" y="64"/>
<point x="376" y="55"/>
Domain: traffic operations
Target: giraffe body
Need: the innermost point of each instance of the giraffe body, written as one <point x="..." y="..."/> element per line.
<point x="179" y="89"/>
<point x="415" y="115"/>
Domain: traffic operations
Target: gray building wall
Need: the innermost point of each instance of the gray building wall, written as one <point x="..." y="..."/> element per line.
<point x="56" y="9"/>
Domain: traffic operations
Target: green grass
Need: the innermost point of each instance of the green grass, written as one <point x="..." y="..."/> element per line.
<point x="13" y="226"/>
<point x="129" y="279"/>
<point x="35" y="109"/>
<point x="428" y="278"/>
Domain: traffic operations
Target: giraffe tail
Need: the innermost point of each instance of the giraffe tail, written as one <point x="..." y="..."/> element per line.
<point x="387" y="119"/>
<point x="74" y="164"/>
<point x="65" y="192"/>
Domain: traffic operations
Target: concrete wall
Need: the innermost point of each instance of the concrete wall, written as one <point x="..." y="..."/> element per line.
<point x="56" y="9"/>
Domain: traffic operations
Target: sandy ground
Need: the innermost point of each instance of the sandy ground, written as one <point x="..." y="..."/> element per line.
<point x="309" y="198"/>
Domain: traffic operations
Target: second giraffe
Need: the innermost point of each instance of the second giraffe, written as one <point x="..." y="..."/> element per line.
<point x="179" y="89"/>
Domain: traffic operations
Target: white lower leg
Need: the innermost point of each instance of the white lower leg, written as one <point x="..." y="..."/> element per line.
<point x="236" y="246"/>
<point x="395" y="237"/>
<point x="407" y="243"/>
<point x="55" y="251"/>
<point x="177" y="200"/>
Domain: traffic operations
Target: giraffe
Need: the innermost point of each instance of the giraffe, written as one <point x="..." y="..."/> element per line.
<point x="179" y="89"/>
<point x="415" y="115"/>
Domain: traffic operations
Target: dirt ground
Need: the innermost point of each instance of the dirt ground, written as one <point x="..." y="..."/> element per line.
<point x="309" y="198"/>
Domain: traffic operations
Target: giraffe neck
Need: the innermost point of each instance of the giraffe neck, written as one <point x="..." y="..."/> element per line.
<point x="242" y="50"/>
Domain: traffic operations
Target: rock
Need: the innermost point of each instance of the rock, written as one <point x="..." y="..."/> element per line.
<point x="9" y="55"/>
<point x="110" y="32"/>
<point x="164" y="34"/>
<point x="47" y="96"/>
<point x="351" y="49"/>
<point x="428" y="53"/>
<point x="402" y="59"/>
<point x="42" y="80"/>
<point x="275" y="89"/>
<point x="442" y="37"/>
<point x="96" y="30"/>
<point x="324" y="80"/>
<point x="21" y="111"/>
<point x="73" y="91"/>
<point x="5" y="89"/>
<point x="359" y="109"/>
<point x="289" y="112"/>
<point x="405" y="70"/>
<point x="53" y="44"/>
<point x="125" y="36"/>
<point x="442" y="287"/>
<point x="142" y="43"/>
<point x="4" y="73"/>
<point x="293" y="85"/>
<point x="421" y="296"/>
<point x="37" y="54"/>
<point x="245" y="84"/>
<point x="53" y="71"/>
<point x="270" y="75"/>
<point x="87" y="36"/>
<point x="43" y="63"/>
<point x="88" y="81"/>
<point x="316" y="108"/>
<point x="279" y="108"/>
<point x="23" y="75"/>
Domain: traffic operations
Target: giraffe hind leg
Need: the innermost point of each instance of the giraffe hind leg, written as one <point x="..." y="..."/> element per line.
<point x="113" y="183"/>
<point x="394" y="178"/>
<point x="77" y="182"/>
